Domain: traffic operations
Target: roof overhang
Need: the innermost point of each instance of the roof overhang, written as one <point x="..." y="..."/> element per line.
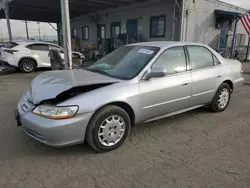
<point x="226" y="15"/>
<point x="49" y="10"/>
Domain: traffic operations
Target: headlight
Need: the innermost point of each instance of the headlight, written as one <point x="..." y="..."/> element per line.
<point x="55" y="112"/>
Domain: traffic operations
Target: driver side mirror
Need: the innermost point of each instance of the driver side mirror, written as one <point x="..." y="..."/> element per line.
<point x="155" y="73"/>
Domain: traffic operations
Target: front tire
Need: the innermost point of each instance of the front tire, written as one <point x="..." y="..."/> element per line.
<point x="221" y="98"/>
<point x="27" y="66"/>
<point x="108" y="128"/>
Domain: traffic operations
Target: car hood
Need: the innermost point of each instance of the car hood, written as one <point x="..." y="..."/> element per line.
<point x="50" y="84"/>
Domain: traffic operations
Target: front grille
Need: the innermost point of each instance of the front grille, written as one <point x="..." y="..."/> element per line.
<point x="33" y="133"/>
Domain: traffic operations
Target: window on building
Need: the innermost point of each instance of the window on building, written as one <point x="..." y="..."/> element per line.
<point x="157" y="26"/>
<point x="74" y="32"/>
<point x="85" y="33"/>
<point x="39" y="47"/>
<point x="172" y="60"/>
<point x="200" y="57"/>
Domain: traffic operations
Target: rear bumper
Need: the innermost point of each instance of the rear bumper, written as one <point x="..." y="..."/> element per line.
<point x="8" y="61"/>
<point x="238" y="84"/>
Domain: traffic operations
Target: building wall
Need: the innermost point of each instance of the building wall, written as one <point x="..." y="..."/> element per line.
<point x="141" y="12"/>
<point x="199" y="25"/>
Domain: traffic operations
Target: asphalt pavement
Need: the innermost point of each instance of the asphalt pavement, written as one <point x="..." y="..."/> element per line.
<point x="197" y="149"/>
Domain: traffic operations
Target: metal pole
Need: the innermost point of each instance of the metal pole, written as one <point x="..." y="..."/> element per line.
<point x="182" y="14"/>
<point x="6" y="11"/>
<point x="27" y="31"/>
<point x="52" y="26"/>
<point x="248" y="46"/>
<point x="39" y="32"/>
<point x="234" y="36"/>
<point x="174" y="20"/>
<point x="59" y="34"/>
<point x="66" y="34"/>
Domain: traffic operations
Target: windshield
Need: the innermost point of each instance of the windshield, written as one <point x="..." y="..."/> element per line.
<point x="125" y="62"/>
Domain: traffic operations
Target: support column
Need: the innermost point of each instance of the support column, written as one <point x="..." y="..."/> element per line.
<point x="27" y="31"/>
<point x="234" y="36"/>
<point x="66" y="34"/>
<point x="6" y="11"/>
<point x="248" y="46"/>
<point x="59" y="34"/>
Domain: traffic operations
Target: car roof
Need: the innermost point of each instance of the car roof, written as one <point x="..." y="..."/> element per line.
<point x="25" y="43"/>
<point x="165" y="44"/>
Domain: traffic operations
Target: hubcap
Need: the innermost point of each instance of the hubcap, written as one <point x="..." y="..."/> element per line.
<point x="111" y="131"/>
<point x="28" y="66"/>
<point x="223" y="98"/>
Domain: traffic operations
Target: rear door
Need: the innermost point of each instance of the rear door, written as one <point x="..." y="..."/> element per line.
<point x="206" y="74"/>
<point x="41" y="51"/>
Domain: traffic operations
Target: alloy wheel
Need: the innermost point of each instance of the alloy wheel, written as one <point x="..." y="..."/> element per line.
<point x="28" y="66"/>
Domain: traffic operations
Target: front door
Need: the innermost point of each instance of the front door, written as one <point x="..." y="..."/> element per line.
<point x="42" y="53"/>
<point x="159" y="96"/>
<point x="132" y="31"/>
<point x="206" y="75"/>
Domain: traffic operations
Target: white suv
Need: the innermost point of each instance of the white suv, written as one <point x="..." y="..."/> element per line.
<point x="27" y="56"/>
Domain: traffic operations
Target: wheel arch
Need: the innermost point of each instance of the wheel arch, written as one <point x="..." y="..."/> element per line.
<point x="230" y="83"/>
<point x="125" y="106"/>
<point x="31" y="58"/>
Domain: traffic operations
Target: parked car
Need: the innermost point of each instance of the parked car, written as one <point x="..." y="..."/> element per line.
<point x="137" y="83"/>
<point x="28" y="56"/>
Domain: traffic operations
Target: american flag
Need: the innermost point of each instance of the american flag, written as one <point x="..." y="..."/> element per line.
<point x="245" y="20"/>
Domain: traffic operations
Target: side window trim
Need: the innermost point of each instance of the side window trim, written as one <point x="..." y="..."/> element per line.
<point x="186" y="58"/>
<point x="189" y="59"/>
<point x="214" y="57"/>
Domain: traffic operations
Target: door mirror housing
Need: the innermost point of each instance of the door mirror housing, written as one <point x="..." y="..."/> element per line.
<point x="155" y="73"/>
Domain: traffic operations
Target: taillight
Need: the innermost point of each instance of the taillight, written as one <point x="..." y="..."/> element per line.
<point x="11" y="51"/>
<point x="241" y="68"/>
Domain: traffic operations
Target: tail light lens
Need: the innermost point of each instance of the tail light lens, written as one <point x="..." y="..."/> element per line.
<point x="11" y="51"/>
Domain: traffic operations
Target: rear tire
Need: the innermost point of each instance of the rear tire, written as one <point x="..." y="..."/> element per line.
<point x="221" y="98"/>
<point x="27" y="66"/>
<point x="108" y="128"/>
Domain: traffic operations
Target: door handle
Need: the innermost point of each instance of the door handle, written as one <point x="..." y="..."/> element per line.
<point x="185" y="83"/>
<point x="219" y="75"/>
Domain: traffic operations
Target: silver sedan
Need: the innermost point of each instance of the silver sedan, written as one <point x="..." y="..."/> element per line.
<point x="136" y="83"/>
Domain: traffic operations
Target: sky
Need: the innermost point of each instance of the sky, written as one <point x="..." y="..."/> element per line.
<point x="18" y="27"/>
<point x="241" y="3"/>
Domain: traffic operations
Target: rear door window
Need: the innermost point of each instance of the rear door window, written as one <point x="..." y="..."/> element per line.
<point x="52" y="47"/>
<point x="200" y="57"/>
<point x="39" y="47"/>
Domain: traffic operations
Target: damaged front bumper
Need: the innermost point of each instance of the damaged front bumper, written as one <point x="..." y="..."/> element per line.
<point x="56" y="133"/>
